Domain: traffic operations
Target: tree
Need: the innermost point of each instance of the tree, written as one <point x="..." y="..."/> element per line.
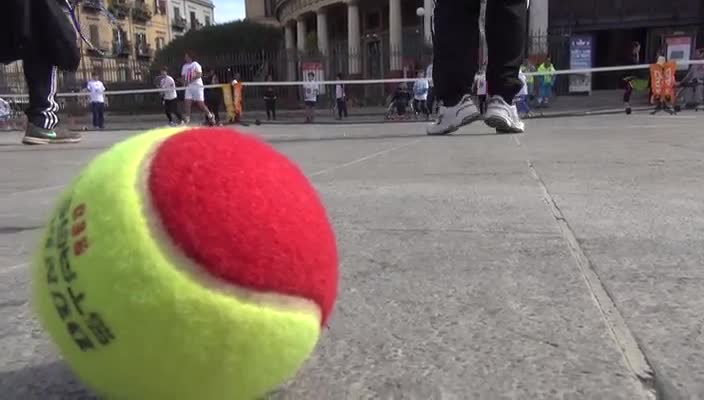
<point x="217" y="43"/>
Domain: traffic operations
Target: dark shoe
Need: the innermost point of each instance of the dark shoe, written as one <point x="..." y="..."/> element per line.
<point x="37" y="135"/>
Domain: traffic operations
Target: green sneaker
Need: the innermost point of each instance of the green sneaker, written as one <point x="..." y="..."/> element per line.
<point x="37" y="135"/>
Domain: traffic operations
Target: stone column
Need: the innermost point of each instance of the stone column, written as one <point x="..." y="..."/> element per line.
<point x="395" y="36"/>
<point x="290" y="43"/>
<point x="354" y="38"/>
<point x="322" y="30"/>
<point x="538" y="27"/>
<point x="429" y="8"/>
<point x="301" y="33"/>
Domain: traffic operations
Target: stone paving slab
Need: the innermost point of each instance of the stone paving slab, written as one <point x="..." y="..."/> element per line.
<point x="457" y="280"/>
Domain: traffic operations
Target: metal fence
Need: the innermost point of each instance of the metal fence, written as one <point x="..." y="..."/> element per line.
<point x="373" y="61"/>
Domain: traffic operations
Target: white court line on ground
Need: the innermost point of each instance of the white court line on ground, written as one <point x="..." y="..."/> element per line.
<point x="37" y="190"/>
<point x="601" y="128"/>
<point x="7" y="270"/>
<point x="365" y="158"/>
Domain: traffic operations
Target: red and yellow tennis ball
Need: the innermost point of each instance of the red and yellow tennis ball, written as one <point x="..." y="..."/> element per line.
<point x="187" y="264"/>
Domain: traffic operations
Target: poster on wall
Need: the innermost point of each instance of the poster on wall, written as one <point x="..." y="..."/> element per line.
<point x="317" y="69"/>
<point x="580" y="58"/>
<point x="679" y="48"/>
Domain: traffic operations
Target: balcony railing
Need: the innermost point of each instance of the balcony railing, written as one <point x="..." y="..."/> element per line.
<point x="143" y="50"/>
<point x="162" y="7"/>
<point x="121" y="49"/>
<point x="179" y="23"/>
<point x="119" y="8"/>
<point x="100" y="50"/>
<point x="141" y="12"/>
<point x="92" y="5"/>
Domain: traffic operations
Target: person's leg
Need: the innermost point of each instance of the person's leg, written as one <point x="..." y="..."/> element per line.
<point x="431" y="99"/>
<point x="187" y="109"/>
<point x="273" y="110"/>
<point x="455" y="53"/>
<point x="167" y="110"/>
<point x="41" y="114"/>
<point x="101" y="115"/>
<point x="94" y="113"/>
<point x="338" y="103"/>
<point x="455" y="44"/>
<point x="175" y="110"/>
<point x="267" y="107"/>
<point x="198" y="94"/>
<point x="505" y="36"/>
<point x="215" y="109"/>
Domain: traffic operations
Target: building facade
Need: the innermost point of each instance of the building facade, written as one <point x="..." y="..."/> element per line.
<point x="190" y="14"/>
<point x="141" y="27"/>
<point x="261" y="11"/>
<point x="368" y="38"/>
<point x="384" y="34"/>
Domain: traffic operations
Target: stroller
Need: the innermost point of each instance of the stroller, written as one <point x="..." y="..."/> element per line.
<point x="400" y="106"/>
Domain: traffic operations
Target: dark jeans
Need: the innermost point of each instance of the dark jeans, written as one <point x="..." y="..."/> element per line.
<point x="98" y="110"/>
<point x="421" y="107"/>
<point x="456" y="40"/>
<point x="171" y="107"/>
<point x="270" y="106"/>
<point x="482" y="103"/>
<point x="341" y="108"/>
<point x="41" y="81"/>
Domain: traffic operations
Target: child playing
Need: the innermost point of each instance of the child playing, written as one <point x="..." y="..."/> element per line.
<point x="310" y="97"/>
<point x="420" y="95"/>
<point x="97" y="101"/>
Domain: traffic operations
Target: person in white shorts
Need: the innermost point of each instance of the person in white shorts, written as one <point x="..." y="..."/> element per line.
<point x="192" y="77"/>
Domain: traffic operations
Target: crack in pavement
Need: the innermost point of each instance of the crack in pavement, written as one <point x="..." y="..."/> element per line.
<point x="631" y="351"/>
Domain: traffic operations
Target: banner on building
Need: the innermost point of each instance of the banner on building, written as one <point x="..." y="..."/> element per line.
<point x="317" y="69"/>
<point x="679" y="48"/>
<point x="662" y="77"/>
<point x="580" y="58"/>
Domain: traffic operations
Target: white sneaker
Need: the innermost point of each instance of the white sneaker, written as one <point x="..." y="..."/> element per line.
<point x="503" y="116"/>
<point x="452" y="118"/>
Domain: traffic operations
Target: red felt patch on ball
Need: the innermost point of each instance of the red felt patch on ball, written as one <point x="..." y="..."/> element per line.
<point x="245" y="213"/>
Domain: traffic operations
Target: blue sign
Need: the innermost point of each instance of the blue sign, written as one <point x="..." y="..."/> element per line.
<point x="580" y="58"/>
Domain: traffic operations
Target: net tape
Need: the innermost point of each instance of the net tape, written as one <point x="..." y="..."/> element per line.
<point x="577" y="71"/>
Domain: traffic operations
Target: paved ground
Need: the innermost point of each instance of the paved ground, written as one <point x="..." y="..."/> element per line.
<point x="565" y="263"/>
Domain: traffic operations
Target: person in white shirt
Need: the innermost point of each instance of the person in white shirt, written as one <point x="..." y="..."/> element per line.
<point x="169" y="97"/>
<point x="420" y="95"/>
<point x="97" y="101"/>
<point x="310" y="96"/>
<point x="480" y="89"/>
<point x="341" y="98"/>
<point x="192" y="77"/>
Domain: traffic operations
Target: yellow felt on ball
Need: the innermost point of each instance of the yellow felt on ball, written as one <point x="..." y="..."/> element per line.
<point x="137" y="318"/>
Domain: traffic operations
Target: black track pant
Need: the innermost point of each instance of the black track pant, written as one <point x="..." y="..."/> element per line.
<point x="171" y="107"/>
<point x="41" y="83"/>
<point x="456" y="47"/>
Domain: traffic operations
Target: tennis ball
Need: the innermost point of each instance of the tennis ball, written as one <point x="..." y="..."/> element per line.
<point x="187" y="264"/>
